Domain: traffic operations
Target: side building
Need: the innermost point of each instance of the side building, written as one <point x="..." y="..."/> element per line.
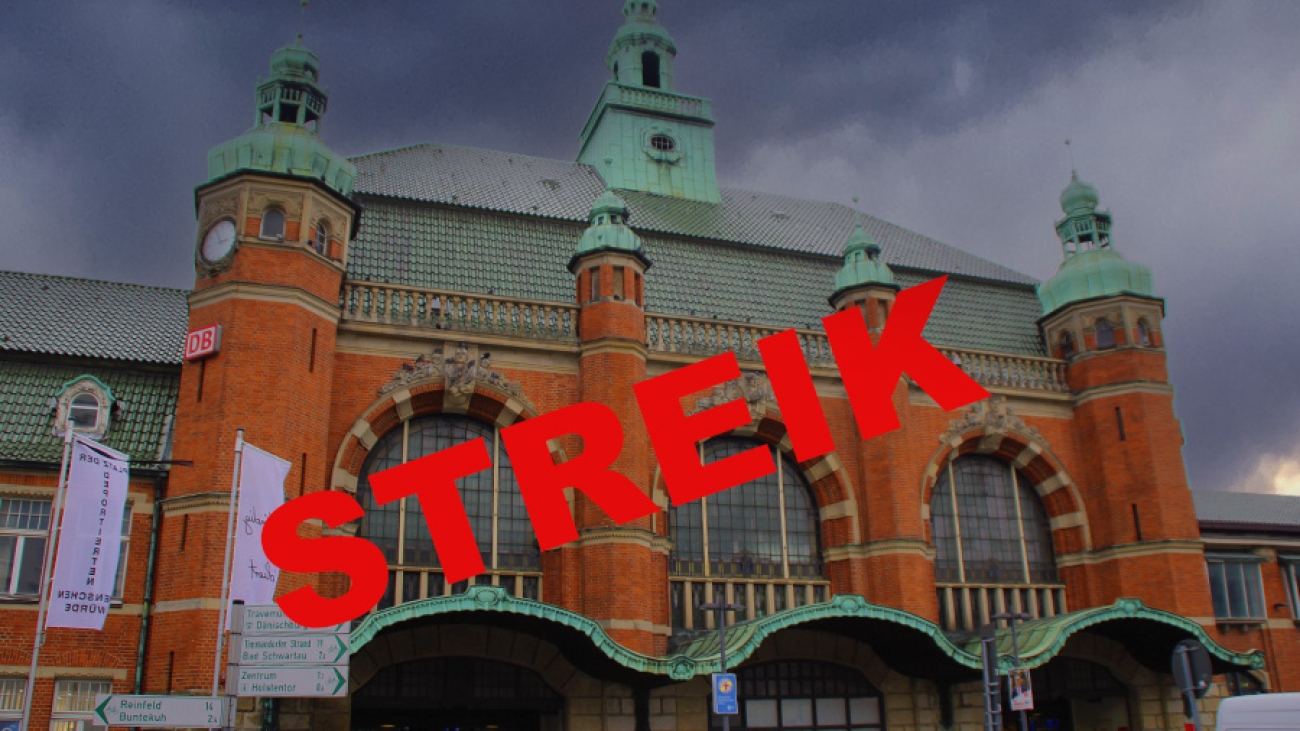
<point x="380" y="308"/>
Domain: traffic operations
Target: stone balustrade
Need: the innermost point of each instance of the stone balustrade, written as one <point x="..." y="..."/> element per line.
<point x="390" y="304"/>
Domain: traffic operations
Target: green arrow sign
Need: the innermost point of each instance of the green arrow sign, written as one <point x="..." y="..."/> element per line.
<point x="304" y="681"/>
<point x="301" y="649"/>
<point x="161" y="711"/>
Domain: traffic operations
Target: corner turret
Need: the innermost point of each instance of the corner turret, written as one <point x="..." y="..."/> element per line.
<point x="864" y="281"/>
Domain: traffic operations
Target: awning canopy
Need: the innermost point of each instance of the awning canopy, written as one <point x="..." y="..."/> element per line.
<point x="909" y="644"/>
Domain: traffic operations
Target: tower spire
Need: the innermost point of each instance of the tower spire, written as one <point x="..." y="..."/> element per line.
<point x="302" y="19"/>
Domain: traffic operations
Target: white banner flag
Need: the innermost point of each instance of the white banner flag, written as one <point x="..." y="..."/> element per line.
<point x="261" y="491"/>
<point x="90" y="536"/>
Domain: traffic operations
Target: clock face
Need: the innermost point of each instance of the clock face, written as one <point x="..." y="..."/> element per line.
<point x="219" y="240"/>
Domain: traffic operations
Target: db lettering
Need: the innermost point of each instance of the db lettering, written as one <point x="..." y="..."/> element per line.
<point x="870" y="373"/>
<point x="203" y="342"/>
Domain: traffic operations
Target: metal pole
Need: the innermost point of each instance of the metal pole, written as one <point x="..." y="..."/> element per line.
<point x="232" y="667"/>
<point x="722" y="656"/>
<point x="225" y="574"/>
<point x="1190" y="692"/>
<point x="1015" y="652"/>
<point x="47" y="576"/>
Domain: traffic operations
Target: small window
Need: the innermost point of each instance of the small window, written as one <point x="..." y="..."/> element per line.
<point x="11" y="701"/>
<point x="1236" y="588"/>
<point x="321" y="244"/>
<point x="1105" y="335"/>
<point x="74" y="703"/>
<point x="24" y="525"/>
<point x="1144" y="333"/>
<point x="663" y="143"/>
<point x="1067" y="345"/>
<point x="273" y="224"/>
<point x="1291" y="579"/>
<point x="84" y="410"/>
<point x="618" y="283"/>
<point x="595" y="283"/>
<point x="650" y="69"/>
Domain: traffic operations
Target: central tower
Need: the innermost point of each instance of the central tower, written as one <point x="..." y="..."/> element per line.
<point x="642" y="135"/>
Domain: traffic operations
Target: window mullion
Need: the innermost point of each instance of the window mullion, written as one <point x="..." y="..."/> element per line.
<point x="1020" y="523"/>
<point x="956" y="525"/>
<point x="401" y="504"/>
<point x="496" y="491"/>
<point x="780" y="491"/>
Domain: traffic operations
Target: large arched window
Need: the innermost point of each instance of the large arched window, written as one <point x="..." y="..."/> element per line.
<point x="993" y="544"/>
<point x="757" y="544"/>
<point x="506" y="542"/>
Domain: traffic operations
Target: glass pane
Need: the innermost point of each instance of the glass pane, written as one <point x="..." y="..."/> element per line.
<point x="8" y="546"/>
<point x="516" y="543"/>
<point x="796" y="712"/>
<point x="379" y="523"/>
<point x="387" y="600"/>
<point x="864" y="710"/>
<point x="11" y="694"/>
<point x="830" y="712"/>
<point x="1038" y="534"/>
<point x="78" y="695"/>
<point x="687" y="531"/>
<point x="1254" y="589"/>
<point x="410" y="586"/>
<point x="437" y="585"/>
<point x="760" y="714"/>
<point x="435" y="433"/>
<point x="507" y="583"/>
<point x="29" y="572"/>
<point x="744" y="521"/>
<point x="986" y="507"/>
<point x="25" y="515"/>
<point x="1236" y="590"/>
<point x="943" y="528"/>
<point x="532" y="588"/>
<point x="677" y="601"/>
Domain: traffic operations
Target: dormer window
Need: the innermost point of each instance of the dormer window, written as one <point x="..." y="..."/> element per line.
<point x="321" y="243"/>
<point x="84" y="405"/>
<point x="650" y="69"/>
<point x="273" y="224"/>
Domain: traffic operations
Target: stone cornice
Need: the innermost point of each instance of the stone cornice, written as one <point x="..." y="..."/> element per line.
<point x="265" y="293"/>
<point x="874" y="549"/>
<point x="1130" y="550"/>
<point x="202" y="502"/>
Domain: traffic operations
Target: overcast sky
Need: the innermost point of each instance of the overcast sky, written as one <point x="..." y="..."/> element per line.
<point x="945" y="118"/>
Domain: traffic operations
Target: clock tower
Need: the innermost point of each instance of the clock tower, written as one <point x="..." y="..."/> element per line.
<point x="275" y="219"/>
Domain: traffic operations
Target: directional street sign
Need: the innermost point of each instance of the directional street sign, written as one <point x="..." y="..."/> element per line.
<point x="286" y="649"/>
<point x="278" y="681"/>
<point x="263" y="619"/>
<point x="161" y="711"/>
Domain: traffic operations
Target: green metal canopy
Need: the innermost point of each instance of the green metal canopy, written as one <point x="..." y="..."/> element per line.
<point x="908" y="643"/>
<point x="1149" y="634"/>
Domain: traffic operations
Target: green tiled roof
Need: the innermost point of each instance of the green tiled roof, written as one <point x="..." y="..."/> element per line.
<point x="440" y="247"/>
<point x="27" y="434"/>
<point x="533" y="186"/>
<point x="89" y="318"/>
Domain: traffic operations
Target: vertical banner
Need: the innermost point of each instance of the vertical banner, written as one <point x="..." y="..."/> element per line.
<point x="90" y="536"/>
<point x="261" y="491"/>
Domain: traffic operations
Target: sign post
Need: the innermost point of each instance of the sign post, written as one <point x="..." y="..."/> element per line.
<point x="279" y="658"/>
<point x="992" y="682"/>
<point x="1192" y="672"/>
<point x="160" y="711"/>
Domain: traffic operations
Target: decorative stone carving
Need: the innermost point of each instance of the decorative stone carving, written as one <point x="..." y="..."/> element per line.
<point x="752" y="387"/>
<point x="214" y="208"/>
<point x="994" y="417"/>
<point x="462" y="371"/>
<point x="260" y="199"/>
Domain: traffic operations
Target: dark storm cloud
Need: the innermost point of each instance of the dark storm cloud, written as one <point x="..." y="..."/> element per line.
<point x="946" y="117"/>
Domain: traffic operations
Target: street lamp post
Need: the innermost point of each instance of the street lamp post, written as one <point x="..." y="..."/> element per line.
<point x="1011" y="619"/>
<point x="722" y="608"/>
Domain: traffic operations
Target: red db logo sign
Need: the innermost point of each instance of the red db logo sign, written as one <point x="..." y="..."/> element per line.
<point x="203" y="342"/>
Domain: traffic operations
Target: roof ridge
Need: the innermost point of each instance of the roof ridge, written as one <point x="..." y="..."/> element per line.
<point x="159" y="287"/>
<point x="574" y="163"/>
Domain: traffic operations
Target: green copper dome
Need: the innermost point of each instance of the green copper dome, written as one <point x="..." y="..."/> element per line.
<point x="862" y="264"/>
<point x="289" y="108"/>
<point x="1094" y="273"/>
<point x="1078" y="196"/>
<point x="608" y="230"/>
<point x="1092" y="268"/>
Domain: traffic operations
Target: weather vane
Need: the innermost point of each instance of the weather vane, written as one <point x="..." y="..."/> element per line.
<point x="302" y="18"/>
<point x="1069" y="150"/>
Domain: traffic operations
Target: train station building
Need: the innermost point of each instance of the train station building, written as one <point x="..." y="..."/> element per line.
<point x="377" y="309"/>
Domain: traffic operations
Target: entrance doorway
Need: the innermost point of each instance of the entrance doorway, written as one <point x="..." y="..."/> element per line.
<point x="1073" y="695"/>
<point x="456" y="694"/>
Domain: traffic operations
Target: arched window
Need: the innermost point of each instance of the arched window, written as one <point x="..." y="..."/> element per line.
<point x="805" y="694"/>
<point x="757" y="544"/>
<point x="321" y="243"/>
<point x="650" y="69"/>
<point x="1143" y="333"/>
<point x="991" y="532"/>
<point x="273" y="224"/>
<point x="84" y="410"/>
<point x="1105" y="335"/>
<point x="1067" y="344"/>
<point x="506" y="543"/>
